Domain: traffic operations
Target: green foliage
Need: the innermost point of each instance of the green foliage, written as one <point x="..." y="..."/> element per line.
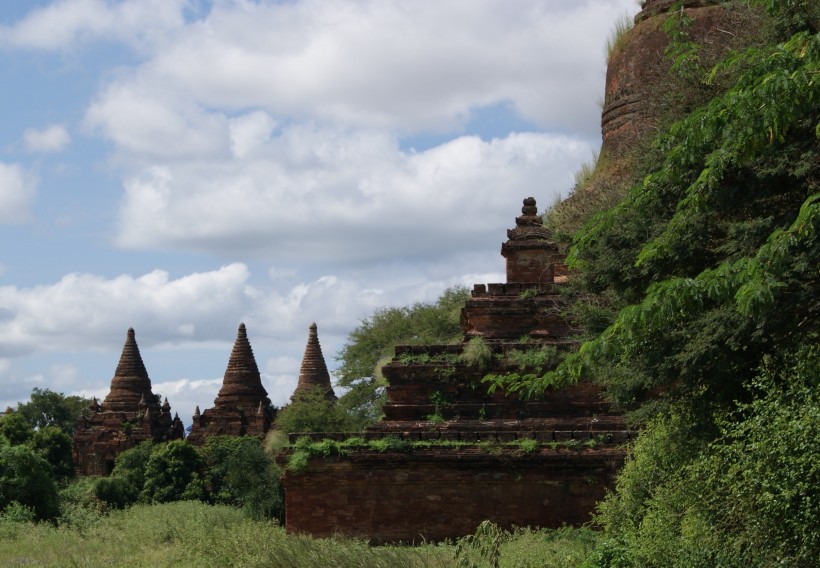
<point x="713" y="253"/>
<point x="477" y="353"/>
<point x="54" y="446"/>
<point x="314" y="412"/>
<point x="25" y="479"/>
<point x="196" y="534"/>
<point x="749" y="498"/>
<point x="48" y="408"/>
<point x="15" y="428"/>
<point x="131" y="465"/>
<point x="173" y="473"/>
<point x="371" y="345"/>
<point x="240" y="473"/>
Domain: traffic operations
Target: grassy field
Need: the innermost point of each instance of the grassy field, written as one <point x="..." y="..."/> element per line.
<point x="190" y="533"/>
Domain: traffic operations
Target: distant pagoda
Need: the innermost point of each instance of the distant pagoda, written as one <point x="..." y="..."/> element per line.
<point x="242" y="406"/>
<point x="313" y="374"/>
<point x="129" y="415"/>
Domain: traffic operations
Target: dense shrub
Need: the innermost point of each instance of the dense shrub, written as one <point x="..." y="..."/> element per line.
<point x="26" y="479"/>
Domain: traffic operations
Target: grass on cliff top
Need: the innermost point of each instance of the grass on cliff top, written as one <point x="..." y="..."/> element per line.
<point x="191" y="533"/>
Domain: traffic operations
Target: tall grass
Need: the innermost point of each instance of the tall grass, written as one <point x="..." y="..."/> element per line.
<point x="191" y="533"/>
<point x="617" y="37"/>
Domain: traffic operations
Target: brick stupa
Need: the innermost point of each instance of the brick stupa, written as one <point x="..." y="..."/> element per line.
<point x="129" y="415"/>
<point x="242" y="406"/>
<point x="436" y="396"/>
<point x="313" y="374"/>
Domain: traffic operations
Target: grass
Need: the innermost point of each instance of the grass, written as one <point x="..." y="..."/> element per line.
<point x="190" y="533"/>
<point x="617" y="37"/>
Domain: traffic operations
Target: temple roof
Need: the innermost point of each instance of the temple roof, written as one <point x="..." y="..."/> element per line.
<point x="130" y="384"/>
<point x="242" y="385"/>
<point x="314" y="371"/>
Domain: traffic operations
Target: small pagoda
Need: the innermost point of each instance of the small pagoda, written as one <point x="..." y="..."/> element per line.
<point x="242" y="406"/>
<point x="129" y="415"/>
<point x="463" y="454"/>
<point x="313" y="373"/>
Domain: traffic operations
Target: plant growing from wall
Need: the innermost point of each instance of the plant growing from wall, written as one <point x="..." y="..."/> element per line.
<point x="477" y="353"/>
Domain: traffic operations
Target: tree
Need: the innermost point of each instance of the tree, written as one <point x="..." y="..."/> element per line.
<point x="25" y="478"/>
<point x="174" y="473"/>
<point x="49" y="408"/>
<point x="240" y="473"/>
<point x="710" y="266"/>
<point x="371" y="345"/>
<point x="130" y="467"/>
<point x="54" y="446"/>
<point x="15" y="428"/>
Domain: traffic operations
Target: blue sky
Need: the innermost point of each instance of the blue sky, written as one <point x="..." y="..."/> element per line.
<point x="184" y="166"/>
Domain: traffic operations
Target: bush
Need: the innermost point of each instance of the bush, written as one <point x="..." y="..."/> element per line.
<point x="174" y="473"/>
<point x="314" y="412"/>
<point x="240" y="473"/>
<point x="25" y="479"/>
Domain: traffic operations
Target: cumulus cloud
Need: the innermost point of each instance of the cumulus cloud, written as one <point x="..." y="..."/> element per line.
<point x="405" y="65"/>
<point x="67" y="23"/>
<point x="337" y="196"/>
<point x="53" y="138"/>
<point x="16" y="192"/>
<point x="185" y="326"/>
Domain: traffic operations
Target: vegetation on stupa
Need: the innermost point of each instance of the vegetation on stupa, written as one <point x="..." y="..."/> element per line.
<point x="698" y="291"/>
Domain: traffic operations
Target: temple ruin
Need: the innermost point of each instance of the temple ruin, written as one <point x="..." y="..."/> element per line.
<point x="242" y="406"/>
<point x="463" y="458"/>
<point x="129" y="415"/>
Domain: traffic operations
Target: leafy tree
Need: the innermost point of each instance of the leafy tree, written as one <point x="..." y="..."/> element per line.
<point x="371" y="345"/>
<point x="710" y="265"/>
<point x="54" y="446"/>
<point x="174" y="473"/>
<point x="749" y="498"/>
<point x="240" y="473"/>
<point x="49" y="408"/>
<point x="25" y="478"/>
<point x="130" y="467"/>
<point x="15" y="428"/>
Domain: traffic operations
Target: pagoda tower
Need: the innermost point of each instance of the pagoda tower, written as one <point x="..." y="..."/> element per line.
<point x="242" y="406"/>
<point x="313" y="373"/>
<point x="129" y="415"/>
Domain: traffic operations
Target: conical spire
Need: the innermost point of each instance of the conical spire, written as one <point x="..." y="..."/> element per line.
<point x="314" y="371"/>
<point x="242" y="386"/>
<point x="130" y="383"/>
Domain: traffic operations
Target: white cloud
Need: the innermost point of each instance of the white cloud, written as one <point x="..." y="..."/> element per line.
<point x="408" y="66"/>
<point x="16" y="193"/>
<point x="335" y="196"/>
<point x="65" y="24"/>
<point x="53" y="138"/>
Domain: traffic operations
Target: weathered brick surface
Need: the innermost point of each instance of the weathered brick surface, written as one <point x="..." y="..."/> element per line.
<point x="313" y="373"/>
<point x="439" y="494"/>
<point x="242" y="406"/>
<point x="435" y="395"/>
<point x="129" y="415"/>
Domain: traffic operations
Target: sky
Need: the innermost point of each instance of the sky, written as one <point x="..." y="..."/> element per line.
<point x="182" y="166"/>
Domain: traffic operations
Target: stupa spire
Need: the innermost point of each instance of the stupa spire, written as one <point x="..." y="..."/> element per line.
<point x="130" y="384"/>
<point x="313" y="373"/>
<point x="242" y="385"/>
